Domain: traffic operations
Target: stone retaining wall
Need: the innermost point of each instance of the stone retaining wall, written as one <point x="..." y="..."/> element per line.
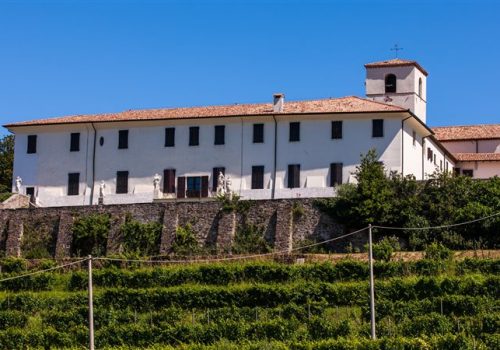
<point x="286" y="223"/>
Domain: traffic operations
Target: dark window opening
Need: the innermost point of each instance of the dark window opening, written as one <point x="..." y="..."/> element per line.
<point x="440" y="165"/>
<point x="30" y="191"/>
<point x="75" y="142"/>
<point x="257" y="177"/>
<point x="181" y="187"/>
<point x="468" y="172"/>
<point x="197" y="187"/>
<point x="169" y="181"/>
<point x="414" y="136"/>
<point x="31" y="144"/>
<point x="101" y="141"/>
<point x="435" y="161"/>
<point x="122" y="182"/>
<point x="335" y="174"/>
<point x="377" y="128"/>
<point x="73" y="184"/>
<point x="456" y="171"/>
<point x="258" y="133"/>
<point x="219" y="135"/>
<point x="390" y="83"/>
<point x="429" y="154"/>
<point x="169" y="137"/>
<point x="194" y="136"/>
<point x="293" y="175"/>
<point x="215" y="176"/>
<point x="294" y="132"/>
<point x="337" y="129"/>
<point x="420" y="87"/>
<point x="122" y="139"/>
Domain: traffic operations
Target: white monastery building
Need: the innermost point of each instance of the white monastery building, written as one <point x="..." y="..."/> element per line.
<point x="272" y="150"/>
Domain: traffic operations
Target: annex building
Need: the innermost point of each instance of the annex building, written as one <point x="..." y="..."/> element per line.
<point x="281" y="149"/>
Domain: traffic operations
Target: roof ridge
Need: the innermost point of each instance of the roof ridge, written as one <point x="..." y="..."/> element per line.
<point x="463" y="126"/>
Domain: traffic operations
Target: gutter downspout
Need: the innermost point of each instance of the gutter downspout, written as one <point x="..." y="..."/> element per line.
<point x="93" y="165"/>
<point x="273" y="189"/>
<point x="403" y="146"/>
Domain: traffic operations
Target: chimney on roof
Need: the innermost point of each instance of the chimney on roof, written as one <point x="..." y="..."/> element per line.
<point x="278" y="103"/>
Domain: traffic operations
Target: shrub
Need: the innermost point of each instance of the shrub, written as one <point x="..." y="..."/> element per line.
<point x="13" y="265"/>
<point x="185" y="242"/>
<point x="140" y="238"/>
<point x="90" y="234"/>
<point x="437" y="251"/>
<point x="384" y="249"/>
<point x="250" y="238"/>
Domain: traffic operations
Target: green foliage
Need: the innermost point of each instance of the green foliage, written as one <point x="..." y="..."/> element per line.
<point x="233" y="204"/>
<point x="140" y="238"/>
<point x="185" y="242"/>
<point x="4" y="196"/>
<point x="250" y="238"/>
<point x="38" y="241"/>
<point x="437" y="251"/>
<point x="400" y="201"/>
<point x="384" y="249"/>
<point x="297" y="211"/>
<point x="13" y="265"/>
<point x="6" y="165"/>
<point x="90" y="234"/>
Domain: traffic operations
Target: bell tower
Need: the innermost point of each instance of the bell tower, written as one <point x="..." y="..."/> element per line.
<point x="398" y="82"/>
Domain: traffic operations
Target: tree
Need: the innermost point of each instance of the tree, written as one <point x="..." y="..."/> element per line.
<point x="6" y="163"/>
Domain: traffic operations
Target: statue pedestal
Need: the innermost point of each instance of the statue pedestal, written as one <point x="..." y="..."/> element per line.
<point x="156" y="194"/>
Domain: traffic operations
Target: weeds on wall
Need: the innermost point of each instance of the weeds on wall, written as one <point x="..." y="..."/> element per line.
<point x="38" y="241"/>
<point x="90" y="235"/>
<point x="140" y="238"/>
<point x="250" y="238"/>
<point x="185" y="242"/>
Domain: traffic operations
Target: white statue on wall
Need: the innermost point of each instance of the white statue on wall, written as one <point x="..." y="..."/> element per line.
<point x="102" y="186"/>
<point x="156" y="182"/>
<point x="221" y="183"/>
<point x="19" y="183"/>
<point x="229" y="187"/>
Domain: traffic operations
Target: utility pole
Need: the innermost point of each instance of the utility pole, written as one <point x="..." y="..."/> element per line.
<point x="91" y="306"/>
<point x="372" y="285"/>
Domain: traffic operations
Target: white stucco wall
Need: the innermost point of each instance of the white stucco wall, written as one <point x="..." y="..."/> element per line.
<point x="440" y="162"/>
<point x="481" y="170"/>
<point x="473" y="146"/>
<point x="146" y="155"/>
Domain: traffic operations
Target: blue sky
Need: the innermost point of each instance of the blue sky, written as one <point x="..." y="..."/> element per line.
<point x="78" y="57"/>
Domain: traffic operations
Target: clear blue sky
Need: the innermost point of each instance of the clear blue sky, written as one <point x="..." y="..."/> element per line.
<point x="78" y="57"/>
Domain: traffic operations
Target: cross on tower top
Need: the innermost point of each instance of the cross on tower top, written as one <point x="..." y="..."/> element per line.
<point x="397" y="49"/>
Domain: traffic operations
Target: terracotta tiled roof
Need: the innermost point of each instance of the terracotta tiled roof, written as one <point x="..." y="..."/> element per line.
<point x="350" y="104"/>
<point x="484" y="157"/>
<point x="397" y="62"/>
<point x="470" y="132"/>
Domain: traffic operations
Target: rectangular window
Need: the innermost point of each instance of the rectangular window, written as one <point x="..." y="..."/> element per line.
<point x="75" y="142"/>
<point x="257" y="177"/>
<point x="169" y="137"/>
<point x="456" y="171"/>
<point x="30" y="191"/>
<point x="335" y="174"/>
<point x="181" y="187"/>
<point x="258" y="133"/>
<point x="122" y="139"/>
<point x="219" y="134"/>
<point x="194" y="136"/>
<point x="73" y="184"/>
<point x="414" y="135"/>
<point x="193" y="187"/>
<point x="169" y="181"/>
<point x="435" y="161"/>
<point x="215" y="176"/>
<point x="337" y="129"/>
<point x="429" y="154"/>
<point x="378" y="128"/>
<point x="293" y="175"/>
<point x="468" y="172"/>
<point x="441" y="165"/>
<point x="31" y="144"/>
<point x="122" y="182"/>
<point x="294" y="132"/>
